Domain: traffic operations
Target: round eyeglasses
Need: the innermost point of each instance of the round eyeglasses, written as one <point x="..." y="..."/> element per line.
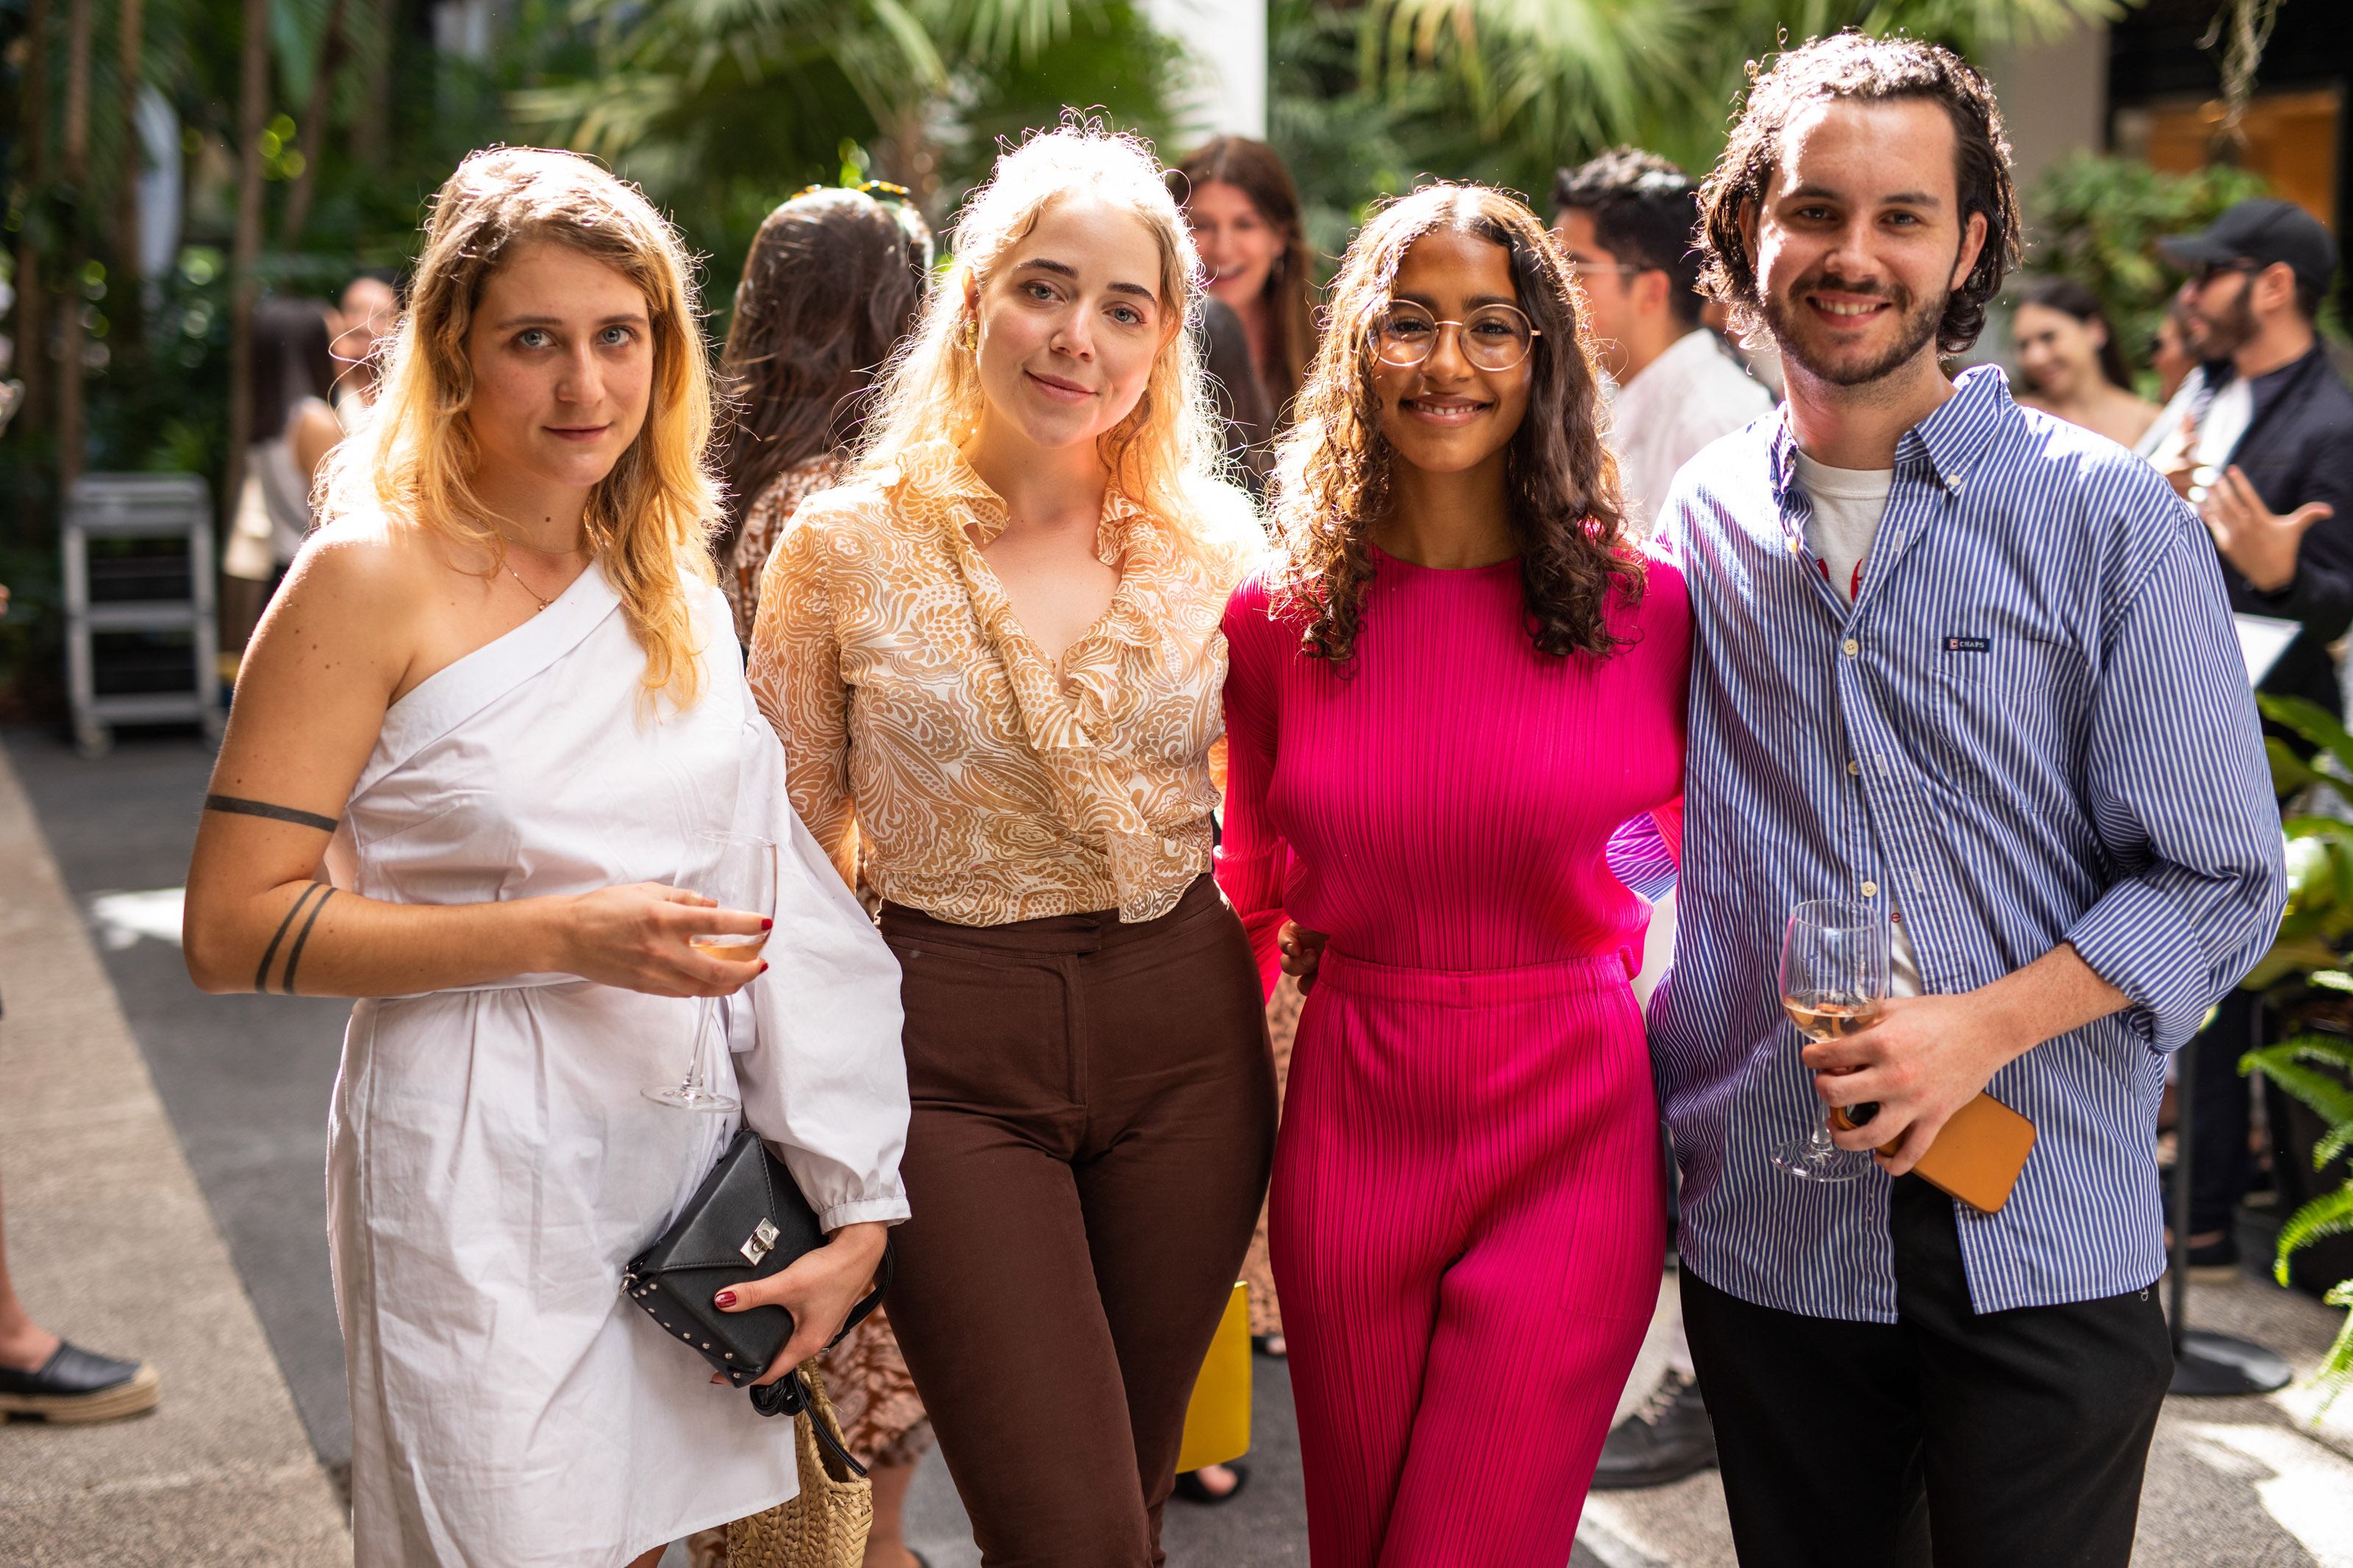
<point x="1493" y="337"/>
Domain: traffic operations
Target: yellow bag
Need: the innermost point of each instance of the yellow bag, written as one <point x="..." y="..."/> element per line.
<point x="1217" y="1421"/>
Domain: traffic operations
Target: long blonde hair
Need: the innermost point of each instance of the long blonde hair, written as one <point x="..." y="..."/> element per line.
<point x="1168" y="454"/>
<point x="650" y="519"/>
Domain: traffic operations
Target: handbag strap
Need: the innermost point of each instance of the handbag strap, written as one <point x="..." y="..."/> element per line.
<point x="883" y="1273"/>
<point x="789" y="1395"/>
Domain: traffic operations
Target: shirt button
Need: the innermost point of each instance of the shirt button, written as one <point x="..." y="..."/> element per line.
<point x="1850" y="647"/>
<point x="1870" y="889"/>
<point x="1852" y="767"/>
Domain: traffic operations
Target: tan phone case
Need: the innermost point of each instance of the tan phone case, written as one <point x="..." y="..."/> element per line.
<point x="1978" y="1154"/>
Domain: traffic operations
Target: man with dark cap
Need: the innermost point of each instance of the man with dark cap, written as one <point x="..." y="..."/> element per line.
<point x="2267" y="459"/>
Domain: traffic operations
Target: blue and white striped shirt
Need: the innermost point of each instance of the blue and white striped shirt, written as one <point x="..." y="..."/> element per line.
<point x="2031" y="727"/>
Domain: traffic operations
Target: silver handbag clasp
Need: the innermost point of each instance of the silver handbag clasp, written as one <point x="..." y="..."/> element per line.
<point x="759" y="1244"/>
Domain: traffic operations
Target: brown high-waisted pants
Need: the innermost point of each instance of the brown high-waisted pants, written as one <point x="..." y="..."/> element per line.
<point x="1094" y="1122"/>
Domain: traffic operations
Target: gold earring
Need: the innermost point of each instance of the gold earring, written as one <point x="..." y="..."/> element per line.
<point x="972" y="334"/>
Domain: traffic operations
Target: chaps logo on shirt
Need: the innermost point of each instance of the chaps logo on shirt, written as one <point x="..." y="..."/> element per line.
<point x="1968" y="645"/>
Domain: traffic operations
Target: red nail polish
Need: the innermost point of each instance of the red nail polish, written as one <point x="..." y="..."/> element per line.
<point x="764" y="966"/>
<point x="768" y="925"/>
<point x="725" y="1299"/>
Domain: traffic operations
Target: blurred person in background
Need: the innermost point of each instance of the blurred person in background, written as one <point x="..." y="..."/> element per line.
<point x="2268" y="460"/>
<point x="294" y="428"/>
<point x="1624" y="220"/>
<point x="42" y="1377"/>
<point x="2168" y="354"/>
<point x="362" y="319"/>
<point x="1243" y="208"/>
<point x="834" y="281"/>
<point x="2071" y="365"/>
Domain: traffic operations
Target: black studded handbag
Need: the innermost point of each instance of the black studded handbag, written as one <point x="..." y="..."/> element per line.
<point x="746" y="1221"/>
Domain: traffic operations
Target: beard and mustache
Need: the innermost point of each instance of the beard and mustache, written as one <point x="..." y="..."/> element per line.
<point x="2221" y="336"/>
<point x="1789" y="319"/>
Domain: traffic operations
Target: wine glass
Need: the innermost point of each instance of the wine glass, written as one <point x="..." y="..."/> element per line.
<point x="737" y="871"/>
<point x="1833" y="980"/>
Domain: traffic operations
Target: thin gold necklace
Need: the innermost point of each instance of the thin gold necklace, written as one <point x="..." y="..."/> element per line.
<point x="523" y="586"/>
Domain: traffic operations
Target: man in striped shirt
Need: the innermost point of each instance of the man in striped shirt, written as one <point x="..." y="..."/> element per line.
<point x="1975" y="666"/>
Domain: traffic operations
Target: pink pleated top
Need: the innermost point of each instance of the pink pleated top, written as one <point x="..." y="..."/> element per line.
<point x="1446" y="802"/>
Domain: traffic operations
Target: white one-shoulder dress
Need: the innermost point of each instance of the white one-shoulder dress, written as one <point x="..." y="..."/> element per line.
<point x="491" y="1163"/>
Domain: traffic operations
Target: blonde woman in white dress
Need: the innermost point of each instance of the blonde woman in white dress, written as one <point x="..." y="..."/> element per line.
<point x="477" y="737"/>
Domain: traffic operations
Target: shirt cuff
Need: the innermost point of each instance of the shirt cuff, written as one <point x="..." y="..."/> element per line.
<point x="887" y="1211"/>
<point x="2138" y="941"/>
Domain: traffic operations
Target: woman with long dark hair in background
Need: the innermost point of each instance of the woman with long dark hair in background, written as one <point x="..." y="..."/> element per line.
<point x="1462" y="679"/>
<point x="2073" y="364"/>
<point x="835" y="279"/>
<point x="294" y="428"/>
<point x="1244" y="213"/>
<point x="1243" y="210"/>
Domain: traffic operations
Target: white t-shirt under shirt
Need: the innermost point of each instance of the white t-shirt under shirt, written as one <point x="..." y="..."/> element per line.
<point x="1847" y="506"/>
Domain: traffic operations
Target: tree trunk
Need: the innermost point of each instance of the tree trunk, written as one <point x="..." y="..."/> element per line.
<point x="315" y="130"/>
<point x="253" y="111"/>
<point x="372" y="131"/>
<point x="32" y="335"/>
<point x="129" y="81"/>
<point x="76" y="241"/>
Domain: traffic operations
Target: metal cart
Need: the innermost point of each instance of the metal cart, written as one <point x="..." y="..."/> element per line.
<point x="139" y="593"/>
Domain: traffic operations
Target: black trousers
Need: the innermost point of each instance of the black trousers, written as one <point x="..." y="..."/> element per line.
<point x="2008" y="1441"/>
<point x="2218" y="1128"/>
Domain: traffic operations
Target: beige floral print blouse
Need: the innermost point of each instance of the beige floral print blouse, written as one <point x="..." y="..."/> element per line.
<point x="935" y="750"/>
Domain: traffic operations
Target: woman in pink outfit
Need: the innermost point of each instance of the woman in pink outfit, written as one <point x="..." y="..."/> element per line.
<point x="1461" y="679"/>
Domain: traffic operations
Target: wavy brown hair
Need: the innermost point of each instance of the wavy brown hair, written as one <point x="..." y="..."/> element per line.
<point x="1872" y="70"/>
<point x="1257" y="171"/>
<point x="1332" y="477"/>
<point x="833" y="281"/>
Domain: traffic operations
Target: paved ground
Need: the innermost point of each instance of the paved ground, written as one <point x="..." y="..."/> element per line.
<point x="110" y="1241"/>
<point x="245" y="1080"/>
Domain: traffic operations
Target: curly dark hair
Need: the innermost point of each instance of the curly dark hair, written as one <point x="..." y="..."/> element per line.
<point x="1333" y="472"/>
<point x="834" y="280"/>
<point x="1875" y="70"/>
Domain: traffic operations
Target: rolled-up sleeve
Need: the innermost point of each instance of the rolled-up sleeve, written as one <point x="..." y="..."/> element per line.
<point x="2180" y="796"/>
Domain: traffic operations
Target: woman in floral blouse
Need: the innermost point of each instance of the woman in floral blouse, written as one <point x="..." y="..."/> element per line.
<point x="834" y="281"/>
<point x="993" y="652"/>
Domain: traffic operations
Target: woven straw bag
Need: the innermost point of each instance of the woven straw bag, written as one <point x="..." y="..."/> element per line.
<point x="826" y="1525"/>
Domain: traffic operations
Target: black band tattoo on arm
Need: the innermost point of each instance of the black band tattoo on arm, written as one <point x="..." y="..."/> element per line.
<point x="261" y="975"/>
<point x="237" y="806"/>
<point x="295" y="956"/>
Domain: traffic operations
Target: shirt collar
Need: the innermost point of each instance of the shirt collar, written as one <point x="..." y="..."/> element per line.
<point x="936" y="471"/>
<point x="1941" y="449"/>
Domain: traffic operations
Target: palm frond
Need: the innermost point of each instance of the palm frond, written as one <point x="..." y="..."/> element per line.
<point x="2330" y="1214"/>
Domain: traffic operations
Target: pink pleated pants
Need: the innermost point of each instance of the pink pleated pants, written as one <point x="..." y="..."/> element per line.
<point x="1466" y="1233"/>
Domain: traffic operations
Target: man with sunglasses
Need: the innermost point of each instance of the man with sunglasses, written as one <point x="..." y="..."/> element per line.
<point x="2260" y="439"/>
<point x="1625" y="223"/>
